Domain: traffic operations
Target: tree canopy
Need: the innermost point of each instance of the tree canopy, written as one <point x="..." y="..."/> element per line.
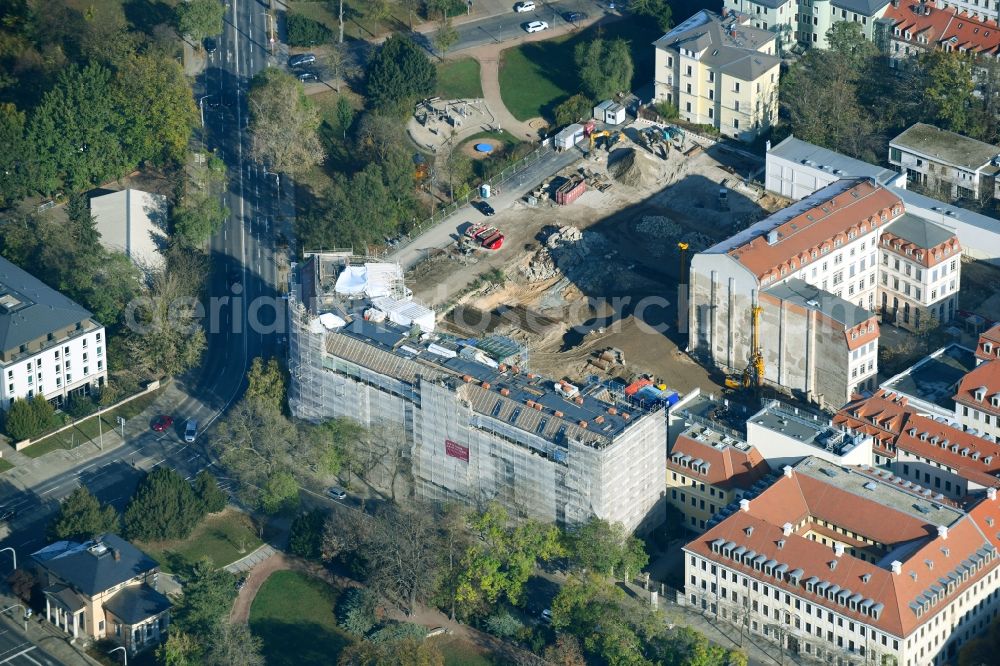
<point x="26" y="418"/>
<point x="398" y="75"/>
<point x="81" y="517"/>
<point x="605" y="67"/>
<point x="164" y="506"/>
<point x="606" y="548"/>
<point x="283" y="123"/>
<point x="208" y="598"/>
<point x="200" y="18"/>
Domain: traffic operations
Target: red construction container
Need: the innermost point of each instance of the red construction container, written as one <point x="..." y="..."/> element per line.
<point x="588" y="127"/>
<point x="493" y="242"/>
<point x="567" y="195"/>
<point x="474" y="230"/>
<point x="485" y="232"/>
<point x="634" y="387"/>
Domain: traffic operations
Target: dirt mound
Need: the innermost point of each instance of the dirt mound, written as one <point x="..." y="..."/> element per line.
<point x="625" y="168"/>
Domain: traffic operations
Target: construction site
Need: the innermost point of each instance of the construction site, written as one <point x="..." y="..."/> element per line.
<point x="587" y="280"/>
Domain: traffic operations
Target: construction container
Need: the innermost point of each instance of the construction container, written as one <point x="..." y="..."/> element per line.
<point x="568" y="137"/>
<point x="570" y="191"/>
<point x="484" y="190"/>
<point x="634" y="387"/>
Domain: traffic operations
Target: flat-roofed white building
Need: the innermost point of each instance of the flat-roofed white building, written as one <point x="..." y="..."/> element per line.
<point x="133" y="222"/>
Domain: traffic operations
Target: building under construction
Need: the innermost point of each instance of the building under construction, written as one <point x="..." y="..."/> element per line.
<point x="479" y="428"/>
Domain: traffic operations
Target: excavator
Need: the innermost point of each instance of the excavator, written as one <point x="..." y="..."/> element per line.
<point x="613" y="138"/>
<point x="753" y="375"/>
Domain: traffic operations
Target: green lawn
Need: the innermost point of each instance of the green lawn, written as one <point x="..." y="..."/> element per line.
<point x="459" y="79"/>
<point x="90" y="429"/>
<point x="294" y="615"/>
<point x="224" y="537"/>
<point x="458" y="652"/>
<point x="5" y="465"/>
<point x="508" y="139"/>
<point x="538" y="76"/>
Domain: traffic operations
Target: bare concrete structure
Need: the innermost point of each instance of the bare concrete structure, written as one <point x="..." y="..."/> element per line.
<point x="477" y="430"/>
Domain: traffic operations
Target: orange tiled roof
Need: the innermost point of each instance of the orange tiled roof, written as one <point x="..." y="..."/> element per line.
<point x="943" y="26"/>
<point x="760" y="529"/>
<point x="985" y="376"/>
<point x="890" y="413"/>
<point x="729" y="467"/>
<point x="860" y="209"/>
<point x="991" y="337"/>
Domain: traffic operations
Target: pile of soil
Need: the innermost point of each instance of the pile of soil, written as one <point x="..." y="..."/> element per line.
<point x="624" y="167"/>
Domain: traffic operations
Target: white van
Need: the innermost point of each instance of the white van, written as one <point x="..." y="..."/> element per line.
<point x="191" y="431"/>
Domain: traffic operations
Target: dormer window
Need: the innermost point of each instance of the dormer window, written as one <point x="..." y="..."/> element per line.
<point x="980" y="393"/>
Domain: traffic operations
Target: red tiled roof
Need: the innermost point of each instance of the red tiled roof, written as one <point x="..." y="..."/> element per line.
<point x="942" y="25"/>
<point x="783" y="503"/>
<point x="981" y="470"/>
<point x="729" y="466"/>
<point x="991" y="336"/>
<point x="889" y="411"/>
<point x="987" y="376"/>
<point x="857" y="210"/>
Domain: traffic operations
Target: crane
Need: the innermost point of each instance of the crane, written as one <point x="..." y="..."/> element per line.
<point x="682" y="274"/>
<point x="753" y="375"/>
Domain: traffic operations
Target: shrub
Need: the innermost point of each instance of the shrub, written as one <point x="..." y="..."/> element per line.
<point x="357" y="611"/>
<point x="29" y="418"/>
<point x="666" y="110"/>
<point x="503" y="624"/>
<point x="306" y="535"/>
<point x="304" y="31"/>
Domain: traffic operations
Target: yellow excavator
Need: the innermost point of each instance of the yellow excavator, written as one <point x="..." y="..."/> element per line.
<point x="753" y="375"/>
<point x="613" y="138"/>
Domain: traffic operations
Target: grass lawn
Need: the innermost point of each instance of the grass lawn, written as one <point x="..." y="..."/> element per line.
<point x="224" y="537"/>
<point x="5" y="465"/>
<point x="293" y="615"/>
<point x="538" y="76"/>
<point x="508" y="139"/>
<point x="459" y="79"/>
<point x="89" y="429"/>
<point x="458" y="652"/>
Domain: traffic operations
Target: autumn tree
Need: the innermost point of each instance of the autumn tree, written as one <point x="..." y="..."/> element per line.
<point x="283" y="123"/>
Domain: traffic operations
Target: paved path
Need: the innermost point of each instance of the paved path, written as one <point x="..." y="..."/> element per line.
<point x="251" y="560"/>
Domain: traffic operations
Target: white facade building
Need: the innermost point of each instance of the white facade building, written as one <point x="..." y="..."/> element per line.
<point x="977" y="402"/>
<point x="49" y="345"/>
<point x="784" y="435"/>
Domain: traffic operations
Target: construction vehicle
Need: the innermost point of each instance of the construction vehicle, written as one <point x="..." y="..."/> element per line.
<point x="486" y="236"/>
<point x="613" y="138"/>
<point x="753" y="375"/>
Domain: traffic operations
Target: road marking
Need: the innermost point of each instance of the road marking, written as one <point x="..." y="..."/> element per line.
<point x="15" y="656"/>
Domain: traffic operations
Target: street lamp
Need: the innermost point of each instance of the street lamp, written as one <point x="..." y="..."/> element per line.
<point x="201" y="107"/>
<point x="26" y="611"/>
<point x="124" y="652"/>
<point x="12" y="554"/>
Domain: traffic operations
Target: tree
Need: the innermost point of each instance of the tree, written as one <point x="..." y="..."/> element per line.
<point x="266" y="383"/>
<point x="357" y="610"/>
<point x="398" y="75"/>
<point x="283" y="123"/>
<point x="200" y="18"/>
<point x="304" y="31"/>
<point x="206" y="489"/>
<point x="607" y="548"/>
<point x="180" y="649"/>
<point x="233" y="644"/>
<point x="605" y="67"/>
<point x="658" y="10"/>
<point x="81" y="517"/>
<point x="344" y="113"/>
<point x="23" y="584"/>
<point x="15" y="158"/>
<point x="848" y="40"/>
<point x="405" y="652"/>
<point x="27" y="418"/>
<point x="199" y="216"/>
<point x="280" y="493"/>
<point x="949" y="88"/>
<point x="446" y="36"/>
<point x="503" y="624"/>
<point x="459" y="169"/>
<point x="305" y="537"/>
<point x="566" y="651"/>
<point x="164" y="506"/>
<point x="158" y="109"/>
<point x="573" y="109"/>
<point x="208" y="597"/>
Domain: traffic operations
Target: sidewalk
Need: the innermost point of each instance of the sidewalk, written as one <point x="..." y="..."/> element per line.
<point x="44" y="635"/>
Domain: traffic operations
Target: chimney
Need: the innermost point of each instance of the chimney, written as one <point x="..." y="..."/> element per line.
<point x="942" y="531"/>
<point x="897" y="567"/>
<point x="745" y="505"/>
<point x="838" y="549"/>
<point x="787" y="469"/>
<point x="117" y="554"/>
<point x="786" y="529"/>
<point x="991" y="494"/>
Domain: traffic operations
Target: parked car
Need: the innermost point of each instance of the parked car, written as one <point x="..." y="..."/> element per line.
<point x="210" y="45"/>
<point x="527" y="6"/>
<point x="308" y="76"/>
<point x="301" y="59"/>
<point x="240" y="583"/>
<point x="485" y="209"/>
<point x="7" y="515"/>
<point x="191" y="431"/>
<point x="337" y="493"/>
<point x="162" y="422"/>
<point x="573" y="17"/>
<point x="547" y="616"/>
<point x="536" y="26"/>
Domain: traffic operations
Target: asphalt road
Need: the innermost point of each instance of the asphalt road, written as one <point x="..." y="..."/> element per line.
<point x="15" y="650"/>
<point x="244" y="317"/>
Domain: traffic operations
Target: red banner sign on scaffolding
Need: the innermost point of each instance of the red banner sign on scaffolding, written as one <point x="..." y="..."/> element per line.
<point x="456" y="450"/>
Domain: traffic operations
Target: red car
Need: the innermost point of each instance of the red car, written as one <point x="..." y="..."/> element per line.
<point x="162" y="422"/>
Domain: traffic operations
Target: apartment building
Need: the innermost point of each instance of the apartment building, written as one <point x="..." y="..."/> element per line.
<point x="981" y="10"/>
<point x="720" y="71"/>
<point x="977" y="401"/>
<point x="785" y="434"/>
<point x="476" y="427"/>
<point x="807" y="22"/>
<point x="795" y="169"/>
<point x="49" y="345"/>
<point x="920" y="273"/>
<point x="813" y="269"/>
<point x="710" y="467"/>
<point x="988" y="346"/>
<point x="912" y="27"/>
<point x="946" y="164"/>
<point x="838" y="566"/>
